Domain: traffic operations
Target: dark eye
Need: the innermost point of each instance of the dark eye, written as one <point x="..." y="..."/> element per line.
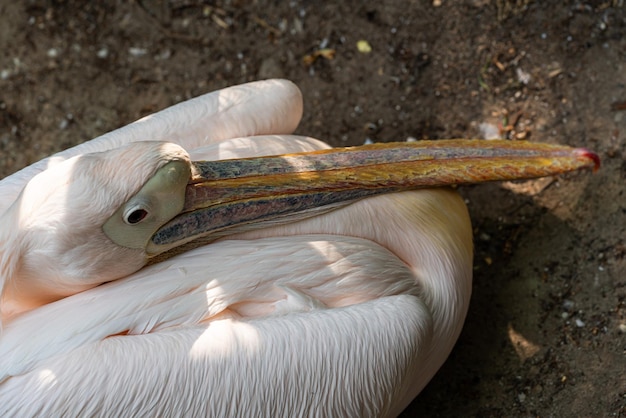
<point x="136" y="216"/>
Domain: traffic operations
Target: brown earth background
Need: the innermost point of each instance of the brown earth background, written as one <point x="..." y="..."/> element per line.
<point x="546" y="330"/>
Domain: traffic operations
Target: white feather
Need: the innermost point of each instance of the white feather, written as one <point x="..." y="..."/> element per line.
<point x="349" y="313"/>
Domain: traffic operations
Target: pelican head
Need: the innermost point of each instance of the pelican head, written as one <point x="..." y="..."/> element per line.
<point x="56" y="245"/>
<point x="99" y="217"/>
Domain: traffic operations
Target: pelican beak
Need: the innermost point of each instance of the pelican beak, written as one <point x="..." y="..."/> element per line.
<point x="228" y="196"/>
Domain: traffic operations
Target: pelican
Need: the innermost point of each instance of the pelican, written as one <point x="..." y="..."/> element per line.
<point x="203" y="261"/>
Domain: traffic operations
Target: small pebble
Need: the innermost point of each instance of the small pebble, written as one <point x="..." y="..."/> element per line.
<point x="489" y="131"/>
<point x="522" y="76"/>
<point x="164" y="55"/>
<point x="579" y="323"/>
<point x="363" y="47"/>
<point x="137" y="52"/>
<point x="298" y="26"/>
<point x="102" y="53"/>
<point x="270" y="68"/>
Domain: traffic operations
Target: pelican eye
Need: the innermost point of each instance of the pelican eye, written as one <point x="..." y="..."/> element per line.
<point x="160" y="199"/>
<point x="135" y="216"/>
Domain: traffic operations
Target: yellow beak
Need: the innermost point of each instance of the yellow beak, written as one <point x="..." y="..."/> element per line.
<point x="225" y="196"/>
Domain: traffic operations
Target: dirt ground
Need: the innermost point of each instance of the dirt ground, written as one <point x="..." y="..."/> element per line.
<point x="546" y="331"/>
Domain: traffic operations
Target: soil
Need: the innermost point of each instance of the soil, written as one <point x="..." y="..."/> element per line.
<point x="546" y="331"/>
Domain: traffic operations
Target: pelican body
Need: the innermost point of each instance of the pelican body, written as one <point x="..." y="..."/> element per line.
<point x="203" y="261"/>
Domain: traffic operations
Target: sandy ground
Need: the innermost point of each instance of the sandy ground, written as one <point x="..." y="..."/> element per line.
<point x="546" y="331"/>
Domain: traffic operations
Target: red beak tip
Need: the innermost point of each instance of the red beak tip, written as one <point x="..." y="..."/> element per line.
<point x="590" y="155"/>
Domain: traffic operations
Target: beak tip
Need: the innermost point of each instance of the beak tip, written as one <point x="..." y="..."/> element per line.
<point x="589" y="155"/>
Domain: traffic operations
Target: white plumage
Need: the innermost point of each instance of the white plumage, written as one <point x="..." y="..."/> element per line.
<point x="349" y="313"/>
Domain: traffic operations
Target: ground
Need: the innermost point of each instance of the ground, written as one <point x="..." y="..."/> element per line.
<point x="546" y="331"/>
